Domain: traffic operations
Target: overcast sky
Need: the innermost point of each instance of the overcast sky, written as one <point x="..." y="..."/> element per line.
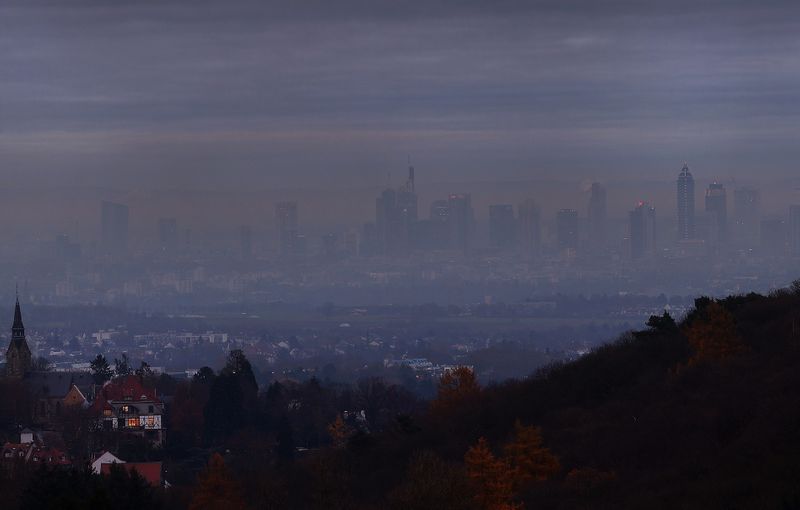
<point x="255" y="94"/>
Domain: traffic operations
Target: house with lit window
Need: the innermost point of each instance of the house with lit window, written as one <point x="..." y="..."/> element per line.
<point x="126" y="405"/>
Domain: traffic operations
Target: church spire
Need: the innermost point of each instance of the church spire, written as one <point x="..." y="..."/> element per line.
<point x="18" y="355"/>
<point x="18" y="329"/>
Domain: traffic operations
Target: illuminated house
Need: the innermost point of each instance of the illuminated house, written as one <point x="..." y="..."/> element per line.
<point x="126" y="405"/>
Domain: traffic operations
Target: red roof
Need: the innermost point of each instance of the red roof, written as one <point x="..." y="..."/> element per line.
<point x="128" y="388"/>
<point x="150" y="471"/>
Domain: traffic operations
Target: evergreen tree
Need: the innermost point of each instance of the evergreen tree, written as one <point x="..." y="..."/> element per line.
<point x="101" y="371"/>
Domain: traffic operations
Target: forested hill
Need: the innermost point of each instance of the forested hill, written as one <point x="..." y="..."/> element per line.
<point x="701" y="414"/>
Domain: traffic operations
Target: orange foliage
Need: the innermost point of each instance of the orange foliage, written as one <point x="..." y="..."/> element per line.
<point x="531" y="461"/>
<point x="492" y="478"/>
<point x="340" y="431"/>
<point x="457" y="388"/>
<point x="217" y="489"/>
<point x="714" y="336"/>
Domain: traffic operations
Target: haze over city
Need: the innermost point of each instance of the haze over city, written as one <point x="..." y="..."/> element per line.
<point x="376" y="254"/>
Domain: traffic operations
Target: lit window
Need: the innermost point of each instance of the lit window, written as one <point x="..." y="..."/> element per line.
<point x="107" y="412"/>
<point x="126" y="409"/>
<point x="133" y="422"/>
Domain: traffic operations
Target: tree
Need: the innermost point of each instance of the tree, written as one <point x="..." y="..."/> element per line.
<point x="528" y="457"/>
<point x="340" y="431"/>
<point x="216" y="489"/>
<point x="663" y="322"/>
<point x="144" y="371"/>
<point x="122" y="367"/>
<point x="432" y="484"/>
<point x="205" y="375"/>
<point x="101" y="372"/>
<point x="457" y="388"/>
<point x="713" y="334"/>
<point x="491" y="478"/>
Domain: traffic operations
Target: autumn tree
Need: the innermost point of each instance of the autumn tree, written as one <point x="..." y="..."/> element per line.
<point x="216" y="489"/>
<point x="432" y="484"/>
<point x="528" y="457"/>
<point x="713" y="335"/>
<point x="340" y="431"/>
<point x="457" y="389"/>
<point x="492" y="479"/>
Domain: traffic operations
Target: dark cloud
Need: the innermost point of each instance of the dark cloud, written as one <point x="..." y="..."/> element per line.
<point x="294" y="91"/>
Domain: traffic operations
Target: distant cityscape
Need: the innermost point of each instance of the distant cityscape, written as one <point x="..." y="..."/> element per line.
<point x="403" y="256"/>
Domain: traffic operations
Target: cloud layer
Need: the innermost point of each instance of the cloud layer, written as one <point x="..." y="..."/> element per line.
<point x="208" y="93"/>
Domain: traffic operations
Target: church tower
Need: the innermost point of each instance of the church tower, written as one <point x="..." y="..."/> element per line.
<point x="18" y="355"/>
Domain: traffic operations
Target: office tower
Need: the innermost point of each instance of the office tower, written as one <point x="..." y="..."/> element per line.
<point x="395" y="217"/>
<point x="746" y="210"/>
<point x="167" y="233"/>
<point x="286" y="219"/>
<point x="502" y="226"/>
<point x="529" y="229"/>
<point x="773" y="236"/>
<point x="685" y="204"/>
<point x="246" y="241"/>
<point x="597" y="216"/>
<point x="461" y="220"/>
<point x="395" y="212"/>
<point x="642" y="231"/>
<point x="438" y="234"/>
<point x="717" y="204"/>
<point x="794" y="230"/>
<point x="567" y="229"/>
<point x="114" y="228"/>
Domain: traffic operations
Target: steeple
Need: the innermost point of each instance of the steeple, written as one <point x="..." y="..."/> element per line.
<point x="18" y="355"/>
<point x="17" y="329"/>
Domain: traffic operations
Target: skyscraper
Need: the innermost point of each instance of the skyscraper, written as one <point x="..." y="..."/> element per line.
<point x="717" y="204"/>
<point x="461" y="220"/>
<point x="642" y="231"/>
<point x="114" y="228"/>
<point x="396" y="215"/>
<point x="685" y="204"/>
<point x="746" y="209"/>
<point x="286" y="219"/>
<point x="502" y="226"/>
<point x="567" y="229"/>
<point x="597" y="216"/>
<point x="529" y="229"/>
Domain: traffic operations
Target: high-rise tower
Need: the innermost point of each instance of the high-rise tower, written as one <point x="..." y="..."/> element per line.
<point x="18" y="355"/>
<point x="685" y="204"/>
<point x="642" y="231"/>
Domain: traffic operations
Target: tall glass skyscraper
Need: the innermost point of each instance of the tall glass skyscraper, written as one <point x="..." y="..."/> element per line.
<point x="685" y="204"/>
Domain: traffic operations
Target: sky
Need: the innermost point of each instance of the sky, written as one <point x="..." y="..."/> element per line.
<point x="245" y="95"/>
